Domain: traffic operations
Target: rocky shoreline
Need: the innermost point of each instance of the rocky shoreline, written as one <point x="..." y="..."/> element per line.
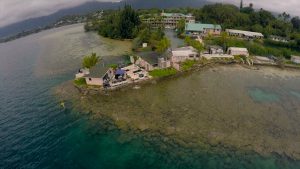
<point x="152" y="122"/>
<point x="197" y="67"/>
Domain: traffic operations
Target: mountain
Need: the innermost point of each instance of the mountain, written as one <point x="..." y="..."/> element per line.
<point x="46" y="20"/>
<point x="91" y="7"/>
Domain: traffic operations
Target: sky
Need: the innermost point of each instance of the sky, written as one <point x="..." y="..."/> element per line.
<point x="12" y="11"/>
<point x="278" y="6"/>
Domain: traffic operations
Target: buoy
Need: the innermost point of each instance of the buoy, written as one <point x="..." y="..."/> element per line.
<point x="62" y="104"/>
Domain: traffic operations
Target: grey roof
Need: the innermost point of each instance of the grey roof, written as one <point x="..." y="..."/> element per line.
<point x="186" y="48"/>
<point x="150" y="57"/>
<point x="215" y="47"/>
<point x="245" y="33"/>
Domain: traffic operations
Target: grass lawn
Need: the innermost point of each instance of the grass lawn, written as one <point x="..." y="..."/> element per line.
<point x="163" y="72"/>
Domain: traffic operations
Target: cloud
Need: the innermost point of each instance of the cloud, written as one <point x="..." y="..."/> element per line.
<point x="12" y="11"/>
<point x="279" y="6"/>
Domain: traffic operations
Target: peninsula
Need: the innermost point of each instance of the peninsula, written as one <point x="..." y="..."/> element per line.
<point x="206" y="39"/>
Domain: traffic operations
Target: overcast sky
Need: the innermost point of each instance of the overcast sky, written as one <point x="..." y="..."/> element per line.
<point x="12" y="11"/>
<point x="290" y="6"/>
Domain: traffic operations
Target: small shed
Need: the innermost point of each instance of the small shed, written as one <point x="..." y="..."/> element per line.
<point x="215" y="50"/>
<point x="151" y="60"/>
<point x="238" y="51"/>
<point x="145" y="45"/>
<point x="279" y="39"/>
<point x="295" y="59"/>
<point x="184" y="53"/>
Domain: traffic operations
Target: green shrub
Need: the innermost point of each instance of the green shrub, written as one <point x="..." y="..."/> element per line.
<point x="188" y="64"/>
<point x="163" y="72"/>
<point x="114" y="66"/>
<point x="80" y="82"/>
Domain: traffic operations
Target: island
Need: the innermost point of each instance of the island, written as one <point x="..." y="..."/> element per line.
<point x="230" y="105"/>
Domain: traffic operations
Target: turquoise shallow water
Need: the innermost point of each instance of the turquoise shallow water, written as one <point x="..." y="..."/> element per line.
<point x="263" y="96"/>
<point x="36" y="133"/>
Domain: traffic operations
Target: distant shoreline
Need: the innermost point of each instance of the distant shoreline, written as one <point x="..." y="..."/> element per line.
<point x="32" y="32"/>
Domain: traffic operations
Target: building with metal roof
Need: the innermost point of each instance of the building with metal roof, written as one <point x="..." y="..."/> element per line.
<point x="244" y="34"/>
<point x="202" y="29"/>
<point x="184" y="53"/>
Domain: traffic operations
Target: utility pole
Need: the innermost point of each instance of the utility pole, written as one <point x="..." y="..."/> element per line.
<point x="241" y="5"/>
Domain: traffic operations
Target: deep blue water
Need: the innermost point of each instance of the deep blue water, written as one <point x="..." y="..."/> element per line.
<point x="36" y="133"/>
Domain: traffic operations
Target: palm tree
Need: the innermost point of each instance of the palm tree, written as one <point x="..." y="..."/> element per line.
<point x="90" y="61"/>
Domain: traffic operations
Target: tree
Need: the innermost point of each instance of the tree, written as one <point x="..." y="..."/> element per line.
<point x="90" y="61"/>
<point x="194" y="43"/>
<point x="224" y="40"/>
<point x="257" y="28"/>
<point x="284" y="16"/>
<point x="248" y="9"/>
<point x="180" y="27"/>
<point x="296" y="22"/>
<point x="129" y="20"/>
<point x="163" y="45"/>
<point x="251" y="5"/>
<point x="122" y="24"/>
<point x="241" y="5"/>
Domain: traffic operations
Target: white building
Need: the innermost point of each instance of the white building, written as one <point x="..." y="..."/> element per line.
<point x="215" y="50"/>
<point x="295" y="59"/>
<point x="279" y="39"/>
<point x="244" y="34"/>
<point x="238" y="51"/>
<point x="169" y="20"/>
<point x="184" y="53"/>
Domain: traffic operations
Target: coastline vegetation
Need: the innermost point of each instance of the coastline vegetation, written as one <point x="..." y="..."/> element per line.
<point x="80" y="82"/>
<point x="188" y="64"/>
<point x="163" y="72"/>
<point x="90" y="61"/>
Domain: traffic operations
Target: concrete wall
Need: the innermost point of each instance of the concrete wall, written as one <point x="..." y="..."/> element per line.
<point x="177" y="59"/>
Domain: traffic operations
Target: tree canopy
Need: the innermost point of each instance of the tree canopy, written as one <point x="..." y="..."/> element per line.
<point x="230" y="16"/>
<point x="163" y="45"/>
<point x="90" y="61"/>
<point x="121" y="24"/>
